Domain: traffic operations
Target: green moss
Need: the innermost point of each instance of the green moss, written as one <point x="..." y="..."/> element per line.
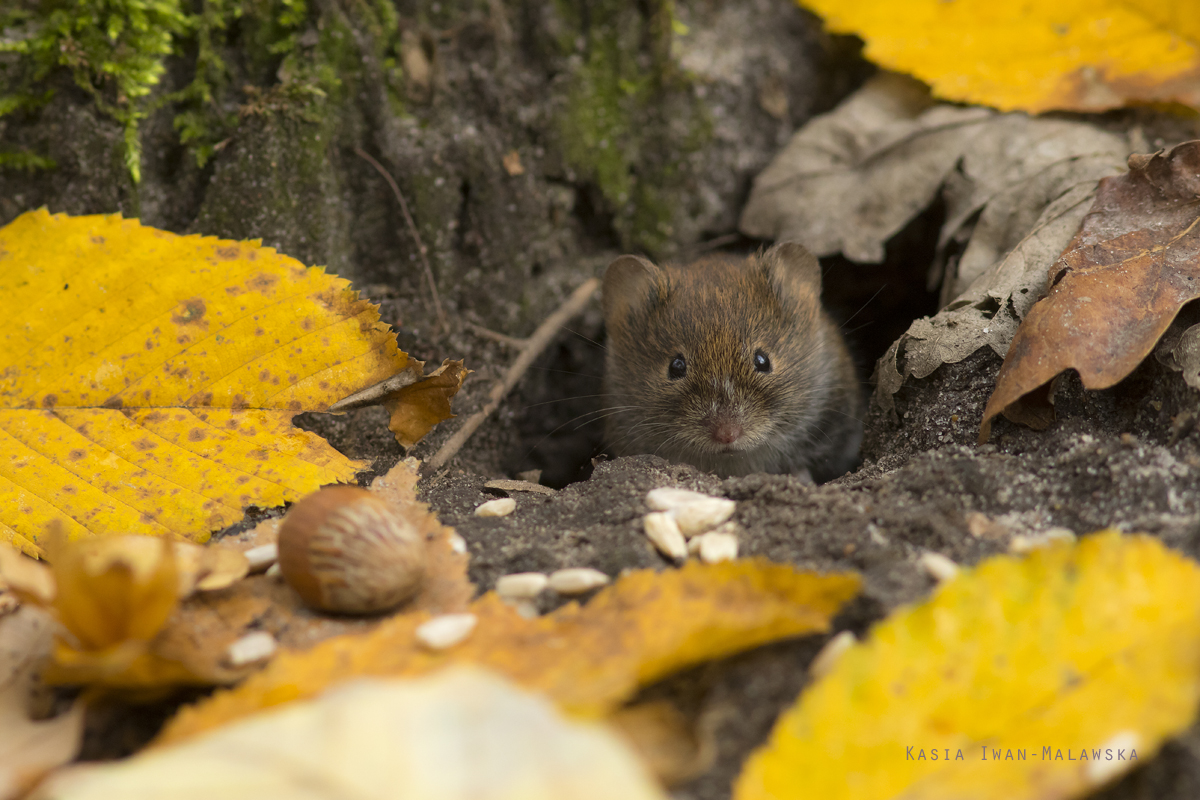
<point x="114" y="50"/>
<point x="117" y="51"/>
<point x="624" y="91"/>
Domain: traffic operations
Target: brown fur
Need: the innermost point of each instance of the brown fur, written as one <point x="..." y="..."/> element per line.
<point x="717" y="312"/>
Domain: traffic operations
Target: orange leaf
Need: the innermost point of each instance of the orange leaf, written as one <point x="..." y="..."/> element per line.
<point x="1114" y="291"/>
<point x="588" y="659"/>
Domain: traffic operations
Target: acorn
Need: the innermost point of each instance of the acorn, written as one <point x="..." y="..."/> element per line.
<point x="346" y="550"/>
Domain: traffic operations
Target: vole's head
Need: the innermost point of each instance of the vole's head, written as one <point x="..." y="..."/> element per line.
<point x="715" y="358"/>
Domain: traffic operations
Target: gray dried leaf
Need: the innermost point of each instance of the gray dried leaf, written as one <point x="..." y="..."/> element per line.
<point x="1015" y="190"/>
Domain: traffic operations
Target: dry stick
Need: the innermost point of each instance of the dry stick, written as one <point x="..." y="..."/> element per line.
<point x="412" y="227"/>
<point x="534" y="346"/>
<point x="508" y="341"/>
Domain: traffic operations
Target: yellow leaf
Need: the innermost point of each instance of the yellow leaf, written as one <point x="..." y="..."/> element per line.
<point x="589" y="660"/>
<point x="1076" y="55"/>
<point x="1080" y="649"/>
<point x="110" y="591"/>
<point x="148" y="380"/>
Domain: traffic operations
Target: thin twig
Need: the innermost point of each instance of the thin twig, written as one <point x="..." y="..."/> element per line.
<point x="533" y="348"/>
<point x="412" y="228"/>
<point x="488" y="333"/>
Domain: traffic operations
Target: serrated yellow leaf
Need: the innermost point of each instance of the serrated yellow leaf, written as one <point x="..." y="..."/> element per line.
<point x="1076" y="55"/>
<point x="1082" y="649"/>
<point x="589" y="660"/>
<point x="148" y="380"/>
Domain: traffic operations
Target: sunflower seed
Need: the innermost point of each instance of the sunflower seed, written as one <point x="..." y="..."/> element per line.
<point x="937" y="566"/>
<point x="662" y="530"/>
<point x="496" y="508"/>
<point x="577" y="580"/>
<point x="521" y="585"/>
<point x="445" y="631"/>
<point x="716" y="547"/>
<point x="831" y="653"/>
<point x="262" y="557"/>
<point x="251" y="648"/>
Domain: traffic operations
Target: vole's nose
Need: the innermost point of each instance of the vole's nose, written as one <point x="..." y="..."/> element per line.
<point x="724" y="429"/>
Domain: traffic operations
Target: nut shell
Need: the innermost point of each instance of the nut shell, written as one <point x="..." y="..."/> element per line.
<point x="346" y="550"/>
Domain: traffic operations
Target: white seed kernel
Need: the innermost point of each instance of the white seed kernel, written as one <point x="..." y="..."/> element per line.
<point x="831" y="653"/>
<point x="669" y="499"/>
<point x="274" y="571"/>
<point x="662" y="530"/>
<point x="577" y="580"/>
<point x="703" y="515"/>
<point x="1059" y="534"/>
<point x="521" y="585"/>
<point x="458" y="544"/>
<point x="496" y="508"/>
<point x="251" y="648"/>
<point x="1099" y="771"/>
<point x="262" y="557"/>
<point x="937" y="566"/>
<point x="716" y="547"/>
<point x="1025" y="544"/>
<point x="445" y="631"/>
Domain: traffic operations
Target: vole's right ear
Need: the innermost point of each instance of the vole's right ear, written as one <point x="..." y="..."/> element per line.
<point x="631" y="282"/>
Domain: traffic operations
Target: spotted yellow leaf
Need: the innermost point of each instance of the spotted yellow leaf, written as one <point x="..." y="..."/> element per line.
<point x="1075" y="55"/>
<point x="1038" y="677"/>
<point x="589" y="660"/>
<point x="148" y="380"/>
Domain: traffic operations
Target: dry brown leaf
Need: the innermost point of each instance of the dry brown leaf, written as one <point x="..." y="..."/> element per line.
<point x="417" y="408"/>
<point x="29" y="748"/>
<point x="1114" y="291"/>
<point x="512" y="163"/>
<point x="588" y="659"/>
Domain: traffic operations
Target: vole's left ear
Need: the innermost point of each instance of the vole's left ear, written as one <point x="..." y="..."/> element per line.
<point x="792" y="269"/>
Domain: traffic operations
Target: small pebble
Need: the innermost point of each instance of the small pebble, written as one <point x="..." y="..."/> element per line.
<point x="458" y="544"/>
<point x="937" y="566"/>
<point x="715" y="547"/>
<point x="1101" y="771"/>
<point x="669" y="499"/>
<point x="831" y="653"/>
<point x="983" y="527"/>
<point x="496" y="508"/>
<point x="445" y="631"/>
<point x="262" y="557"/>
<point x="662" y="530"/>
<point x="577" y="580"/>
<point x="521" y="585"/>
<point x="251" y="648"/>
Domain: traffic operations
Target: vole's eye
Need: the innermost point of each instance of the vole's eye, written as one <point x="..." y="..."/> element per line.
<point x="677" y="369"/>
<point x="762" y="362"/>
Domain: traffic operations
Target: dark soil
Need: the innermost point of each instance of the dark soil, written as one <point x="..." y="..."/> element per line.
<point x="507" y="249"/>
